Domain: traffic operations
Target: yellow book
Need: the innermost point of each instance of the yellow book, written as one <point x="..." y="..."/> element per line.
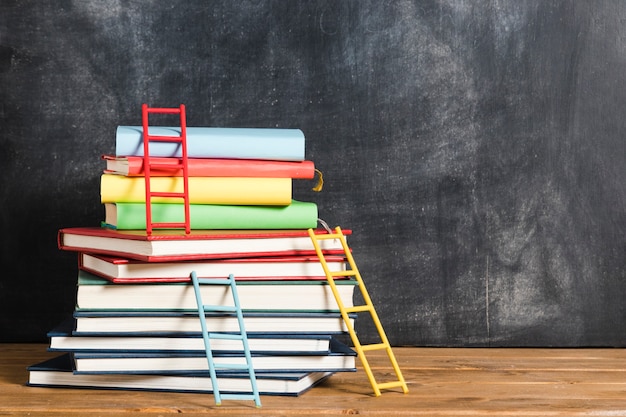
<point x="202" y="190"/>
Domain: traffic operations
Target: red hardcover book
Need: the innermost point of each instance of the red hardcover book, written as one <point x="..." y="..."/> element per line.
<point x="172" y="245"/>
<point x="132" y="166"/>
<point x="284" y="268"/>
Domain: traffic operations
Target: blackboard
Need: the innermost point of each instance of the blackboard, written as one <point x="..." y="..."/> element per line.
<point x="476" y="150"/>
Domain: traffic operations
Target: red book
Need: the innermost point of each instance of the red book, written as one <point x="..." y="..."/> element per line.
<point x="172" y="245"/>
<point x="132" y="166"/>
<point x="283" y="268"/>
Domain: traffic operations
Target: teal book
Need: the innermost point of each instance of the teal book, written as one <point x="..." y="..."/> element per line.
<point x="297" y="215"/>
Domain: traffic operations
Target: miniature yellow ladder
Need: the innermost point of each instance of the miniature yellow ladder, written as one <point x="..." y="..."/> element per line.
<point x="178" y="163"/>
<point x="242" y="336"/>
<point x="367" y="307"/>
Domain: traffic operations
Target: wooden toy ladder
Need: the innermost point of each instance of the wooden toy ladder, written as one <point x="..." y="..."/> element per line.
<point x="241" y="336"/>
<point x="176" y="164"/>
<point x="367" y="307"/>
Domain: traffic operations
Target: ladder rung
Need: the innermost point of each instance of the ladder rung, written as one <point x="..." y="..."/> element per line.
<point x="169" y="225"/>
<point x="375" y="346"/>
<point x="347" y="273"/>
<point x="358" y="309"/>
<point x="226" y="366"/>
<point x="220" y="308"/>
<point x="163" y="110"/>
<point x="167" y="194"/>
<point x="217" y="281"/>
<point x="328" y="236"/>
<point x="154" y="138"/>
<point x="239" y="396"/>
<point x="225" y="336"/>
<point x="394" y="384"/>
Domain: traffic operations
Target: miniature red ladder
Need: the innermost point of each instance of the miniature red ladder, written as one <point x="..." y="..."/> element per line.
<point x="177" y="163"/>
<point x="367" y="307"/>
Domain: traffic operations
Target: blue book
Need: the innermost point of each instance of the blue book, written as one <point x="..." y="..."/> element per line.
<point x="216" y="142"/>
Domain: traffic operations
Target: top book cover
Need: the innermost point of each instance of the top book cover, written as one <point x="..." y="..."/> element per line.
<point x="216" y="142"/>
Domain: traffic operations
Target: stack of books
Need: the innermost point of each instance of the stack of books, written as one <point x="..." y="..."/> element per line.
<point x="243" y="189"/>
<point x="136" y="324"/>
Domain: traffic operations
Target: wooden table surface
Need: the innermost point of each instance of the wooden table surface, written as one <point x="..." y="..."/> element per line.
<point x="442" y="382"/>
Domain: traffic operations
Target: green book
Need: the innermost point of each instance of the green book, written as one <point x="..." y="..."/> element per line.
<point x="132" y="216"/>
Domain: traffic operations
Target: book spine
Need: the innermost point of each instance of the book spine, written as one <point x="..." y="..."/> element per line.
<point x="297" y="215"/>
<point x="207" y="142"/>
<point x="202" y="190"/>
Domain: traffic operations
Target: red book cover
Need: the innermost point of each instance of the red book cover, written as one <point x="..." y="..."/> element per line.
<point x="214" y="167"/>
<point x="172" y="245"/>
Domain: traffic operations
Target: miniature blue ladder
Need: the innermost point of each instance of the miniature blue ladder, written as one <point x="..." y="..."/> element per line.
<point x="176" y="164"/>
<point x="242" y="336"/>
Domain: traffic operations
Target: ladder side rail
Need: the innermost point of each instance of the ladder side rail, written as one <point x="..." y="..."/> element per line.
<point x="365" y="294"/>
<point x="333" y="285"/>
<point x="396" y="368"/>
<point x="244" y="340"/>
<point x="351" y="331"/>
<point x="329" y="277"/>
<point x="384" y="343"/>
<point x="205" y="337"/>
<point x="355" y="339"/>
<point x="146" y="166"/>
<point x="342" y="308"/>
<point x="357" y="275"/>
<point x="361" y="284"/>
<point x="185" y="162"/>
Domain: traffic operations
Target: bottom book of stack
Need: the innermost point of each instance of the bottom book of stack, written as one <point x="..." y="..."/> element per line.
<point x="59" y="372"/>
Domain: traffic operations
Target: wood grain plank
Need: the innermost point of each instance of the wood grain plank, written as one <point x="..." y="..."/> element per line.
<point x="442" y="382"/>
